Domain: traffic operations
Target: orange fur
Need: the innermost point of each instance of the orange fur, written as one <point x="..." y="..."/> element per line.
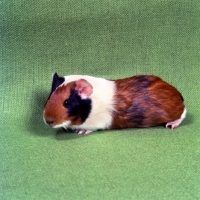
<point x="54" y="112"/>
<point x="156" y="102"/>
<point x="86" y="103"/>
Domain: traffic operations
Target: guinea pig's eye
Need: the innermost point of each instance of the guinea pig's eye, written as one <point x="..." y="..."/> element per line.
<point x="65" y="103"/>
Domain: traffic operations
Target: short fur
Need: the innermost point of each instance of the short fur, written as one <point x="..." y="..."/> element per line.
<point x="145" y="101"/>
<point x="100" y="116"/>
<point x="86" y="103"/>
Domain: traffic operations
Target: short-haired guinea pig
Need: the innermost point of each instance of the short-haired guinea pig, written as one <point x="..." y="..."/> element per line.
<point x="85" y="103"/>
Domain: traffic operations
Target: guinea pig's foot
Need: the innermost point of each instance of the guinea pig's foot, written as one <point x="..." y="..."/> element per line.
<point x="83" y="131"/>
<point x="87" y="132"/>
<point x="174" y="124"/>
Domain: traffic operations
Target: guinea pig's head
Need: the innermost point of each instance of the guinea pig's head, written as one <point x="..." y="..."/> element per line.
<point x="69" y="103"/>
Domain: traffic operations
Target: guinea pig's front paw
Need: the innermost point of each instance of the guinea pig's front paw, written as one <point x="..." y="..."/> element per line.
<point x="83" y="131"/>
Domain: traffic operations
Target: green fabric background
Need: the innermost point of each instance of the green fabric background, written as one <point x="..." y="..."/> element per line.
<point x="110" y="39"/>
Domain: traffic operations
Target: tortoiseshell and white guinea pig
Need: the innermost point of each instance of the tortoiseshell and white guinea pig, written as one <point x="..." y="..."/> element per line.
<point x="85" y="103"/>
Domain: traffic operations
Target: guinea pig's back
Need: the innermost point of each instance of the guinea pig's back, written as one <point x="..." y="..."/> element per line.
<point x="168" y="99"/>
<point x="144" y="101"/>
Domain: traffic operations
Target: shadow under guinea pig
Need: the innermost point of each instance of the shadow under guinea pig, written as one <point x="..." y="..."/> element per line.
<point x="36" y="124"/>
<point x="62" y="134"/>
<point x="188" y="120"/>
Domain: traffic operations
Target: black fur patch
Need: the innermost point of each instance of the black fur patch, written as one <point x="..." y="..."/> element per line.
<point x="143" y="81"/>
<point x="136" y="114"/>
<point x="78" y="107"/>
<point x="57" y="80"/>
<point x="182" y="97"/>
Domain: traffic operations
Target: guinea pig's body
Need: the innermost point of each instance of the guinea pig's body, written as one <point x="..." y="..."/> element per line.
<point x="85" y="103"/>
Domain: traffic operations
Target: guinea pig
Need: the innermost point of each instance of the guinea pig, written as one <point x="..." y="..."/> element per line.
<point x="85" y="103"/>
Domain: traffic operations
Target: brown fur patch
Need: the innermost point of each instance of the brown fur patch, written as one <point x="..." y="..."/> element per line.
<point x="145" y="101"/>
<point x="55" y="111"/>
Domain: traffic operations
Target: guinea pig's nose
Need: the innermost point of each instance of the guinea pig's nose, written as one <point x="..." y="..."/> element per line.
<point x="50" y="123"/>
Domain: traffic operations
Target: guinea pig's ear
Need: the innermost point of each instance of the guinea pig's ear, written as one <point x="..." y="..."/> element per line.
<point x="84" y="88"/>
<point x="56" y="82"/>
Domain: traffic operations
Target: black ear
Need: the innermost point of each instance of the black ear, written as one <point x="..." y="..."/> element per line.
<point x="56" y="82"/>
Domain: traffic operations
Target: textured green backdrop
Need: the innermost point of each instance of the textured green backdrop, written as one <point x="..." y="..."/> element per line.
<point x="105" y="38"/>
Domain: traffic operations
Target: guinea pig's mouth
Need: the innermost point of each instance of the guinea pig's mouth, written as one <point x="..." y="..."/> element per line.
<point x="63" y="125"/>
<point x="50" y="122"/>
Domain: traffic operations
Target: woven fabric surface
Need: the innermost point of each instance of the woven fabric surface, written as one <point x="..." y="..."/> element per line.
<point x="110" y="39"/>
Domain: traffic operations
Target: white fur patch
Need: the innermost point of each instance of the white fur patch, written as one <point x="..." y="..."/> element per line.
<point x="102" y="102"/>
<point x="184" y="114"/>
<point x="177" y="122"/>
<point x="64" y="125"/>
